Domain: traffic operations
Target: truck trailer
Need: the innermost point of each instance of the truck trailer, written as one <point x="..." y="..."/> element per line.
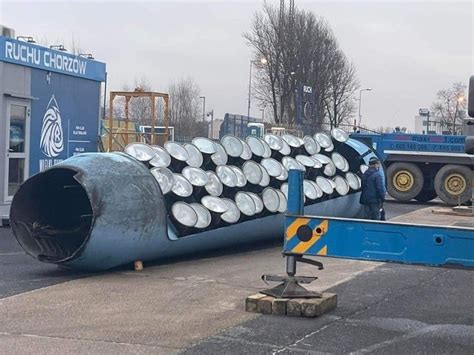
<point x="425" y="166"/>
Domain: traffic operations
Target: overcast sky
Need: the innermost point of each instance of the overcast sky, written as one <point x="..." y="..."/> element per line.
<point x="406" y="51"/>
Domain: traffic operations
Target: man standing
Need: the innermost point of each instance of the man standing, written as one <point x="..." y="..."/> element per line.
<point x="373" y="190"/>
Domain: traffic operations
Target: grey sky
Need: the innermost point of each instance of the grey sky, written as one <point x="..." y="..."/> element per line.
<point x="406" y="51"/>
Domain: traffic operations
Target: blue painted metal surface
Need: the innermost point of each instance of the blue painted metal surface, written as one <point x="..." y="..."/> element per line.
<point x="128" y="217"/>
<point x="39" y="57"/>
<point x="385" y="241"/>
<point x="411" y="142"/>
<point x="296" y="205"/>
<point x="376" y="240"/>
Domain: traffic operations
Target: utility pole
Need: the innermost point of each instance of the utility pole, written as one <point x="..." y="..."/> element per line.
<point x="203" y="110"/>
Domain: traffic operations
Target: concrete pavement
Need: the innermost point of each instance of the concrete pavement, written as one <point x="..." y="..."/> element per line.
<point x="162" y="309"/>
<point x="197" y="306"/>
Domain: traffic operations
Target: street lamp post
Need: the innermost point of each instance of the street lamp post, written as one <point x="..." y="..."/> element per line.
<point x="262" y="61"/>
<point x="459" y="101"/>
<point x="360" y="102"/>
<point x="203" y="110"/>
<point x="211" y="113"/>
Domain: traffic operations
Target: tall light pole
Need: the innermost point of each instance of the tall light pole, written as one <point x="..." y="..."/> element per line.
<point x="211" y="113"/>
<point x="360" y="102"/>
<point x="203" y="110"/>
<point x="261" y="61"/>
<point x="459" y="101"/>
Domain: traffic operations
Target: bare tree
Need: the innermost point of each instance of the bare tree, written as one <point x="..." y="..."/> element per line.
<point x="450" y="107"/>
<point x="342" y="84"/>
<point x="185" y="108"/>
<point x="300" y="48"/>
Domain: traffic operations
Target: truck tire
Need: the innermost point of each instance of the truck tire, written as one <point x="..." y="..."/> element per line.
<point x="404" y="180"/>
<point x="453" y="184"/>
<point x="426" y="195"/>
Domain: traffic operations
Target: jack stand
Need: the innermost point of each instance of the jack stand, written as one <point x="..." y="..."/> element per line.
<point x="290" y="286"/>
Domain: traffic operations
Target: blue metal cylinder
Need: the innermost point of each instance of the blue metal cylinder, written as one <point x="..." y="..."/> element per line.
<point x="97" y="211"/>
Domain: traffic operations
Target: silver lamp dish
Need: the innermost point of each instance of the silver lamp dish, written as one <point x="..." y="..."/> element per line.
<point x="220" y="156"/>
<point x="292" y="140"/>
<point x="226" y="175"/>
<point x="246" y="151"/>
<point x="181" y="186"/>
<point x="322" y="158"/>
<point x="161" y="159"/>
<point x="339" y="135"/>
<point x="195" y="156"/>
<point x="325" y="185"/>
<point x="323" y="139"/>
<point x="286" y="149"/>
<point x="307" y="161"/>
<point x="232" y="215"/>
<point x="246" y="203"/>
<point x="184" y="214"/>
<point x="165" y="178"/>
<point x="215" y="204"/>
<point x="203" y="215"/>
<point x="214" y="186"/>
<point x="252" y="172"/>
<point x="282" y="207"/>
<point x="291" y="163"/>
<point x="176" y="151"/>
<point x="232" y="145"/>
<point x="196" y="176"/>
<point x="271" y="199"/>
<point x="205" y="145"/>
<point x="310" y="145"/>
<point x="353" y="180"/>
<point x="274" y="141"/>
<point x="141" y="152"/>
<point x="340" y="162"/>
<point x="342" y="187"/>
<point x="265" y="177"/>
<point x="274" y="167"/>
<point x="258" y="202"/>
<point x="241" y="179"/>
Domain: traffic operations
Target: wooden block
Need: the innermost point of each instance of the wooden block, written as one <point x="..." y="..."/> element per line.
<point x="251" y="302"/>
<point x="314" y="307"/>
<point x="279" y="306"/>
<point x="138" y="265"/>
<point x="265" y="305"/>
<point x="293" y="307"/>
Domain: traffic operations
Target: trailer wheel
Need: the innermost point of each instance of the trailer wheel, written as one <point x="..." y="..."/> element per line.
<point x="453" y="184"/>
<point x="426" y="195"/>
<point x="405" y="181"/>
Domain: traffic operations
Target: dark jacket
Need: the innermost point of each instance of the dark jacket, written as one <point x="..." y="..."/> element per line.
<point x="373" y="187"/>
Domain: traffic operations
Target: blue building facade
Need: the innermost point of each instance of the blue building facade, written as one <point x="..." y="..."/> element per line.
<point x="49" y="110"/>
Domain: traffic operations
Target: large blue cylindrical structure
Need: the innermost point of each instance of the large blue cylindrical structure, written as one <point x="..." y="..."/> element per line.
<point x="96" y="211"/>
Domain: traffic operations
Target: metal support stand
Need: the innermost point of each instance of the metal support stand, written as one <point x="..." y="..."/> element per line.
<point x="290" y="285"/>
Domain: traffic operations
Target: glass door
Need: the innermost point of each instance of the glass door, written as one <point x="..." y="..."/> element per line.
<point x="16" y="170"/>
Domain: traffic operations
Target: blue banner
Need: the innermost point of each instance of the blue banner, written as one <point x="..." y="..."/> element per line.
<point x="31" y="55"/>
<point x="64" y="118"/>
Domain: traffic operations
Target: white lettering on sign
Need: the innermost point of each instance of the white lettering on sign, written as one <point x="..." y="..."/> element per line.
<point x="79" y="131"/>
<point x="48" y="163"/>
<point x="33" y="55"/>
<point x="22" y="53"/>
<point x="64" y="63"/>
<point x="307" y="89"/>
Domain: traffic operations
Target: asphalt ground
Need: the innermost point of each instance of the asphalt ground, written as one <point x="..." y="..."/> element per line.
<point x="384" y="308"/>
<point x="21" y="273"/>
<point x="392" y="309"/>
